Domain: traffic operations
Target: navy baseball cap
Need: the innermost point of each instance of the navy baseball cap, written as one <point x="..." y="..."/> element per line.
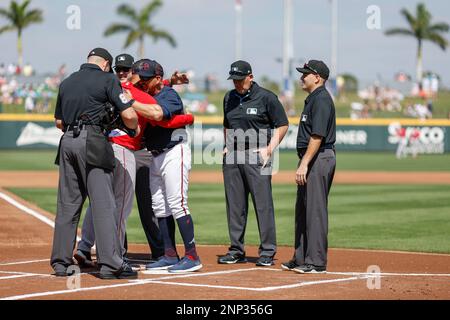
<point x="147" y="68"/>
<point x="315" y="67"/>
<point x="239" y="70"/>
<point x="102" y="53"/>
<point x="124" y="60"/>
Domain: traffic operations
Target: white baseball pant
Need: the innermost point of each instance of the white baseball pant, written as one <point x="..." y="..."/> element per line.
<point x="169" y="181"/>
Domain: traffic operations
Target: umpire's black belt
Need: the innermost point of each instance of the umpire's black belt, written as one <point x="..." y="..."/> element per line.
<point x="72" y="127"/>
<point x="78" y="126"/>
<point x="301" y="151"/>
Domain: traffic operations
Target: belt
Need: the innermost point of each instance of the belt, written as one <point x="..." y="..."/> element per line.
<point x="76" y="126"/>
<point x="72" y="127"/>
<point x="301" y="151"/>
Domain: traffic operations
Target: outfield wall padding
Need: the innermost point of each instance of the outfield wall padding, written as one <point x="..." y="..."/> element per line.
<point x="26" y="131"/>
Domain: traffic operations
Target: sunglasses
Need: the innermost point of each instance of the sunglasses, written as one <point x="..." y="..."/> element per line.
<point x="122" y="69"/>
<point x="238" y="73"/>
<point x="305" y="66"/>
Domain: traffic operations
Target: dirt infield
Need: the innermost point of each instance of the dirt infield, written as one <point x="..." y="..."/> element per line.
<point x="49" y="179"/>
<point x="25" y="245"/>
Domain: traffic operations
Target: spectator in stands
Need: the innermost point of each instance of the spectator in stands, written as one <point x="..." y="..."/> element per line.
<point x="46" y="102"/>
<point x="11" y="69"/>
<point x="430" y="107"/>
<point x="30" y="100"/>
<point x="422" y="112"/>
<point x="29" y="104"/>
<point x="28" y="70"/>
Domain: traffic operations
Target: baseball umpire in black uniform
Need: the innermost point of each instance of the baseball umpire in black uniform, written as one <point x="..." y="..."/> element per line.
<point x="315" y="147"/>
<point x="254" y="123"/>
<point x="86" y="160"/>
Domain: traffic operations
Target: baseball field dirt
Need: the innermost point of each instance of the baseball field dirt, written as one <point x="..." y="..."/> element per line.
<point x="49" y="179"/>
<point x="25" y="273"/>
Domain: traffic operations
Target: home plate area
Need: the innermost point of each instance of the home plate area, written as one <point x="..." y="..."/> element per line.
<point x="256" y="279"/>
<point x="18" y="285"/>
<point x="401" y="276"/>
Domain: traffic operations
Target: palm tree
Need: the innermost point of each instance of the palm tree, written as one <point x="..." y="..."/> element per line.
<point x="19" y="17"/>
<point x="140" y="26"/>
<point x="421" y="28"/>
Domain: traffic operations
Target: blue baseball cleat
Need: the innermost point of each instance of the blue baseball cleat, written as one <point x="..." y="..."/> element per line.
<point x="163" y="263"/>
<point x="186" y="265"/>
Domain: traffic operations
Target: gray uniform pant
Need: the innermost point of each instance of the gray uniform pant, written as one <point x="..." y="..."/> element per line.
<point x="124" y="176"/>
<point x="77" y="180"/>
<point x="241" y="180"/>
<point x="144" y="202"/>
<point x="311" y="211"/>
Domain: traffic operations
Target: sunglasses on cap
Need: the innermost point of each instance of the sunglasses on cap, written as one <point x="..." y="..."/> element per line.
<point x="238" y="73"/>
<point x="305" y="66"/>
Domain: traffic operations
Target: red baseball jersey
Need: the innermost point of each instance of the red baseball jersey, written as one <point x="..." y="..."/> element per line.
<point x="121" y="138"/>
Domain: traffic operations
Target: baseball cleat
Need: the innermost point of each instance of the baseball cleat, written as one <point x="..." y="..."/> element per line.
<point x="265" y="261"/>
<point x="290" y="265"/>
<point x="309" y="268"/>
<point x="232" y="258"/>
<point x="163" y="263"/>
<point x="186" y="265"/>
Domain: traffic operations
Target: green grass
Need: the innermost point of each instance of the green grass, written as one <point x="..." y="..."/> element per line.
<point x="12" y="108"/>
<point x="394" y="217"/>
<point x="20" y="108"/>
<point x="364" y="161"/>
<point x="28" y="159"/>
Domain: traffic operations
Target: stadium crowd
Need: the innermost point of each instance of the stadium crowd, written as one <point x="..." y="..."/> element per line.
<point x="21" y="87"/>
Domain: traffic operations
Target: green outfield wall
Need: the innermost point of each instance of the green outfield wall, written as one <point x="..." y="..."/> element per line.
<point x="38" y="131"/>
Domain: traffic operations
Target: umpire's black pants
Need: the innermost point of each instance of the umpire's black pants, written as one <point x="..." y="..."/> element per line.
<point x="241" y="180"/>
<point x="78" y="180"/>
<point x="311" y="211"/>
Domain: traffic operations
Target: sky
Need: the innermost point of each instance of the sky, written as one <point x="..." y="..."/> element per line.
<point x="204" y="31"/>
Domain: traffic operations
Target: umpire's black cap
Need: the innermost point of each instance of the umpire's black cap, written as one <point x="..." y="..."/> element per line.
<point x="124" y="60"/>
<point x="147" y="68"/>
<point x="239" y="70"/>
<point x="315" y="67"/>
<point x="102" y="53"/>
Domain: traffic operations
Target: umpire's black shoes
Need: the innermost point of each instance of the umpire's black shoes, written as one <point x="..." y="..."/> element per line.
<point x="126" y="272"/>
<point x="84" y="259"/>
<point x="61" y="271"/>
<point x="309" y="268"/>
<point x="232" y="258"/>
<point x="290" y="265"/>
<point x="264" y="261"/>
